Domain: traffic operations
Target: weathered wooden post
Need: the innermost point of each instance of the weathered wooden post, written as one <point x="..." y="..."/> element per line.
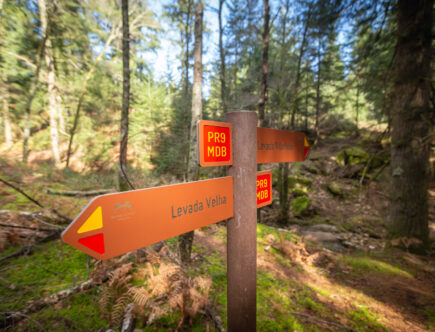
<point x="242" y="228"/>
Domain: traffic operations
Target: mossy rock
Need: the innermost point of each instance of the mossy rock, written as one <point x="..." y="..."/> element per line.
<point x="311" y="168"/>
<point x="352" y="156"/>
<point x="297" y="192"/>
<point x="300" y="205"/>
<point x="335" y="189"/>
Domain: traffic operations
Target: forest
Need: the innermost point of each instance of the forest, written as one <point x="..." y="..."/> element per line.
<point x="103" y="97"/>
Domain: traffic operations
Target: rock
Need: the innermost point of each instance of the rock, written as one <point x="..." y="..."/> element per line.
<point x="324" y="228"/>
<point x="352" y="156"/>
<point x="297" y="192"/>
<point x="335" y="189"/>
<point x="311" y="168"/>
<point x="318" y="236"/>
<point x="299" y="206"/>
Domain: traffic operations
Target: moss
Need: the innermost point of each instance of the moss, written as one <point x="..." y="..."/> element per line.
<point x="296" y="192"/>
<point x="300" y="205"/>
<point x="364" y="320"/>
<point x="335" y="189"/>
<point x="54" y="267"/>
<point x="352" y="156"/>
<point x="363" y="264"/>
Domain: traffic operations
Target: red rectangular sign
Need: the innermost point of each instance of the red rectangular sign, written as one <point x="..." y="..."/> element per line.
<point x="214" y="143"/>
<point x="264" y="188"/>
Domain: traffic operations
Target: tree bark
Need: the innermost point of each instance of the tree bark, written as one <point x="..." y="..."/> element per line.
<point x="317" y="124"/>
<point x="186" y="240"/>
<point x="6" y="120"/>
<point x="32" y="92"/>
<point x="411" y="121"/>
<point x="298" y="72"/>
<point x="53" y="96"/>
<point x="123" y="183"/>
<point x="264" y="65"/>
<point x="222" y="58"/>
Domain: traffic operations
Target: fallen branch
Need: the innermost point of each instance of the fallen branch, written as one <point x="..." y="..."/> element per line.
<point x="128" y="322"/>
<point x="28" y="249"/>
<point x="216" y="319"/>
<point x="78" y="193"/>
<point x="33" y="215"/>
<point x="27" y="227"/>
<point x="34" y="200"/>
<point x="321" y="320"/>
<point x="37" y="305"/>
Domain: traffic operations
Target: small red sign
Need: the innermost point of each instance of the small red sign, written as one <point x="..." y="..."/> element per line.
<point x="214" y="143"/>
<point x="264" y="188"/>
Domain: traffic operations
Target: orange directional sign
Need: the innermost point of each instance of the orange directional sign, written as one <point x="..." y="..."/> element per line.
<point x="214" y="143"/>
<point x="264" y="188"/>
<point x="276" y="146"/>
<point x="114" y="224"/>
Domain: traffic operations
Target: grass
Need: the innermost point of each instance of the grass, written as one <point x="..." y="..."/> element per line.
<point x="364" y="320"/>
<point x="53" y="267"/>
<point x="363" y="264"/>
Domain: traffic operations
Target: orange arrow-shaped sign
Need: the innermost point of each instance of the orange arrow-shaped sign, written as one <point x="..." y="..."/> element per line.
<point x="281" y="146"/>
<point x="114" y="224"/>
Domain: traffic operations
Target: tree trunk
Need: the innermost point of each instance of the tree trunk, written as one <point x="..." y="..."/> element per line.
<point x="264" y="65"/>
<point x="6" y="120"/>
<point x="51" y="82"/>
<point x="122" y="176"/>
<point x="298" y="72"/>
<point x="186" y="127"/>
<point x="112" y="35"/>
<point x="411" y="121"/>
<point x="186" y="240"/>
<point x="32" y="92"/>
<point x="357" y="102"/>
<point x="317" y="124"/>
<point x="222" y="57"/>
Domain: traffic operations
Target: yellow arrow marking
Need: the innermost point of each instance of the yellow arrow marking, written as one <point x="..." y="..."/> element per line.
<point x="95" y="221"/>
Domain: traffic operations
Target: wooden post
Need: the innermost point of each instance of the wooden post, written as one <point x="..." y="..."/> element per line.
<point x="242" y="229"/>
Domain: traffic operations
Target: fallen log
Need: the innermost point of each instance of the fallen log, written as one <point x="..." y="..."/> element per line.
<point x="76" y="193"/>
<point x="35" y="201"/>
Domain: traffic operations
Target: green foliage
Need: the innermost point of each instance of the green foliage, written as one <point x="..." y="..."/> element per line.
<point x="300" y="205"/>
<point x="352" y="156"/>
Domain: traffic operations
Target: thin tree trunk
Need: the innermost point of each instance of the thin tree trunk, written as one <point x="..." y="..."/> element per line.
<point x="186" y="240"/>
<point x="89" y="75"/>
<point x="222" y="57"/>
<point x="357" y="101"/>
<point x="6" y="120"/>
<point x="298" y="72"/>
<point x="32" y="92"/>
<point x="51" y="83"/>
<point x="317" y="124"/>
<point x="186" y="127"/>
<point x="123" y="182"/>
<point x="411" y="122"/>
<point x="264" y="65"/>
<point x="283" y="168"/>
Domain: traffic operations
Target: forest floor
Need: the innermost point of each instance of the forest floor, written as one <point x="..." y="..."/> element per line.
<point x="328" y="269"/>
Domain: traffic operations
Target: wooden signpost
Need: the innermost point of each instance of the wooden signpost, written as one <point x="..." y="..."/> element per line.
<point x="114" y="224"/>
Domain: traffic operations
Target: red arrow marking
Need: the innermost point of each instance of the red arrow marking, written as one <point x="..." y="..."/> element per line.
<point x="94" y="242"/>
